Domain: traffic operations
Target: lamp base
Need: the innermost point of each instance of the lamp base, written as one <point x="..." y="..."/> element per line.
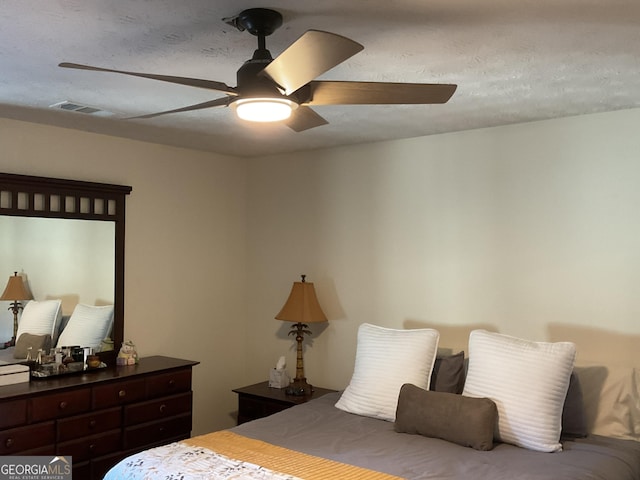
<point x="299" y="388"/>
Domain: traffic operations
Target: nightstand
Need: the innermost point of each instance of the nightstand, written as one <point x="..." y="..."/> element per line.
<point x="260" y="400"/>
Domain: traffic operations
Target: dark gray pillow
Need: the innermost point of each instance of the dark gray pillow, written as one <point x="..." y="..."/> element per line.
<point x="574" y="420"/>
<point x="467" y="421"/>
<point x="448" y="374"/>
<point x="36" y="342"/>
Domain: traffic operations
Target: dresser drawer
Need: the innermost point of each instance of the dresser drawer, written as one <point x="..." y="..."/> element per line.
<point x="89" y="424"/>
<point x="21" y="439"/>
<point x="60" y="405"/>
<point x="13" y="413"/>
<point x="93" y="446"/>
<point x="157" y="432"/>
<point x="157" y="409"/>
<point x="119" y="393"/>
<point x="168" y="383"/>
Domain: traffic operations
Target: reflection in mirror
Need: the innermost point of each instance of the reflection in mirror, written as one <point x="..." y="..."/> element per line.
<point x="67" y="259"/>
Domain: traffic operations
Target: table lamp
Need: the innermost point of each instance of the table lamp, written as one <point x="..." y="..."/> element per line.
<point x="301" y="307"/>
<point x="15" y="291"/>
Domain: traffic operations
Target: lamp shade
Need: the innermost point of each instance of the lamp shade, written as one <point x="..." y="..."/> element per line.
<point x="302" y="305"/>
<point x="16" y="290"/>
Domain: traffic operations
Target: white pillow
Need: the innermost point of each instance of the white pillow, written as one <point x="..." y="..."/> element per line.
<point x="40" y="318"/>
<point x="87" y="327"/>
<point x="386" y="359"/>
<point x="527" y="380"/>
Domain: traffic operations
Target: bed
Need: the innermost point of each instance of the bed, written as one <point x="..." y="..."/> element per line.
<point x="328" y="438"/>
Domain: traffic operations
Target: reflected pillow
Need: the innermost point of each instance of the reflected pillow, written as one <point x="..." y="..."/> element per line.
<point x="40" y="318"/>
<point x="87" y="327"/>
<point x="36" y="342"/>
<point x="527" y="380"/>
<point x="387" y="358"/>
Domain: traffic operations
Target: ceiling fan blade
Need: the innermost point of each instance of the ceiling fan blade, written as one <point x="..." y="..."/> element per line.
<point x="311" y="55"/>
<point x="304" y="118"/>
<point x="190" y="82"/>
<point x="218" y="102"/>
<point x="378" y="93"/>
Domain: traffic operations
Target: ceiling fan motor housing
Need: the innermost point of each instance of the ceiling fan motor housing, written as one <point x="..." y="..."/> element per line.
<point x="250" y="84"/>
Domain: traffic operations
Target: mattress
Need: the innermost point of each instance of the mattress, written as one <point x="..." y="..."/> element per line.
<point x="319" y="430"/>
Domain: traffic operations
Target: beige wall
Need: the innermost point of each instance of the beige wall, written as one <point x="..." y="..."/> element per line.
<point x="530" y="230"/>
<point x="185" y="247"/>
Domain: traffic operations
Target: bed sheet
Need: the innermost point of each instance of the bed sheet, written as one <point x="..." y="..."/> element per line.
<point x="318" y="428"/>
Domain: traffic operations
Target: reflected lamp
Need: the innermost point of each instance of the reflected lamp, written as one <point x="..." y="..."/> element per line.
<point x="15" y="291"/>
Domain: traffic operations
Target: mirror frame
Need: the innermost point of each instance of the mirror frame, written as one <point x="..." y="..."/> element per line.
<point x="31" y="196"/>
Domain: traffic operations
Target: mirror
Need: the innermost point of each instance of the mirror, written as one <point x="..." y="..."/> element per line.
<point x="61" y="212"/>
<point x="59" y="258"/>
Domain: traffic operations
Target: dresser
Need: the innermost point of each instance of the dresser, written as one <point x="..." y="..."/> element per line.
<point x="98" y="417"/>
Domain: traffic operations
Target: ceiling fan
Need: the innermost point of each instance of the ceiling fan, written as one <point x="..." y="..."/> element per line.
<point x="284" y="88"/>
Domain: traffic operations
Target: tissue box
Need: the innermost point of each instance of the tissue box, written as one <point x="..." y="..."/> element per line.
<point x="278" y="378"/>
<point x="13" y="373"/>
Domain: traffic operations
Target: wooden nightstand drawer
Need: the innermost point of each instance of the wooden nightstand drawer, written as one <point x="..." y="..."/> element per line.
<point x="60" y="405"/>
<point x="253" y="408"/>
<point x="13" y="413"/>
<point x="89" y="424"/>
<point x="148" y="433"/>
<point x="93" y="446"/>
<point x="157" y="409"/>
<point x="21" y="439"/>
<point x="118" y="393"/>
<point x="259" y="400"/>
<point x="169" y="383"/>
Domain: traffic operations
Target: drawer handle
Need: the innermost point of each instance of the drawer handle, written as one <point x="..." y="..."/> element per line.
<point x="9" y="443"/>
<point x="63" y="405"/>
<point x="172" y="383"/>
<point x="92" y="447"/>
<point x="163" y="408"/>
<point x="122" y="393"/>
<point x="92" y="424"/>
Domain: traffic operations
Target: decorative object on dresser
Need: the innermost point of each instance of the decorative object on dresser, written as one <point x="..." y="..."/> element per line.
<point x="99" y="419"/>
<point x="302" y="307"/>
<point x="260" y="400"/>
<point x="15" y="291"/>
<point x="13" y="373"/>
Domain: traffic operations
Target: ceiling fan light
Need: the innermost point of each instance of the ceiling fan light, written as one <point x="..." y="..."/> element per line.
<point x="264" y="109"/>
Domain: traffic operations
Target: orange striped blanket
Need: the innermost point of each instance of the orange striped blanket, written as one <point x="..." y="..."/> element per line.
<point x="283" y="460"/>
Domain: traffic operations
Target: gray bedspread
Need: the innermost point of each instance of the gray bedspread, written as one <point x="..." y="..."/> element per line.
<point x="318" y="428"/>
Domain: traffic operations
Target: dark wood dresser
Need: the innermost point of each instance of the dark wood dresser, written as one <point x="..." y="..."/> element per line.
<point x="98" y="417"/>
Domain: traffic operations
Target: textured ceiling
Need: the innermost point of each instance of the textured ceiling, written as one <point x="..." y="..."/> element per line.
<point x="513" y="61"/>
